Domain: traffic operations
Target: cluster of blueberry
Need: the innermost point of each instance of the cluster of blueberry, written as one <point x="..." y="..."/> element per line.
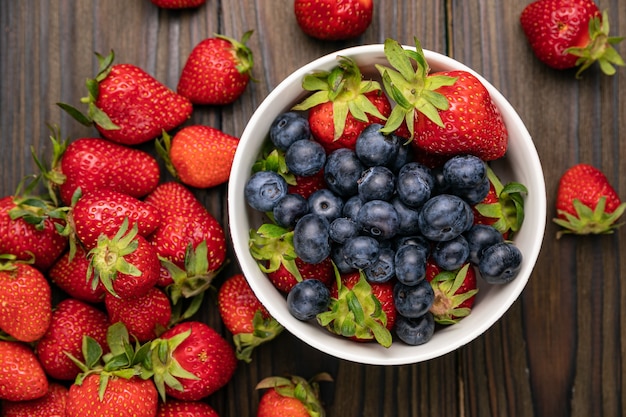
<point x="385" y="214"/>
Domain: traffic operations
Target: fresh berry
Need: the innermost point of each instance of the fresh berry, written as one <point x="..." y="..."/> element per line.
<point x="413" y="301"/>
<point x="445" y="216"/>
<point x="178" y="408"/>
<point x="71" y="321"/>
<point x="374" y="148"/>
<point x="145" y="316"/>
<point x="120" y="396"/>
<point x="326" y="204"/>
<point x="448" y="112"/>
<point x="451" y="254"/>
<point x="376" y="183"/>
<point x="479" y="237"/>
<point x="191" y="361"/>
<point x="415" y="184"/>
<point x="311" y="239"/>
<point x="328" y="20"/>
<point x="342" y="228"/>
<point x="568" y="34"/>
<point x="52" y="404"/>
<point x="199" y="156"/>
<point x="284" y="280"/>
<point x="178" y="4"/>
<point x="69" y="273"/>
<point x="289" y="209"/>
<point x="245" y="317"/>
<point x="291" y="396"/>
<point x="383" y="268"/>
<point x="586" y="203"/>
<point x="25" y="301"/>
<point x="305" y="186"/>
<point x="342" y="172"/>
<point x="340" y="105"/>
<point x="264" y="189"/>
<point x="305" y="157"/>
<point x="307" y="299"/>
<point x="415" y="331"/>
<point x="360" y="251"/>
<point x="378" y="219"/>
<point x="455" y="293"/>
<point x="288" y="128"/>
<point x="129" y="106"/>
<point x="217" y="71"/>
<point x="410" y="262"/>
<point x="21" y="376"/>
<point x="500" y="263"/>
<point x="92" y="164"/>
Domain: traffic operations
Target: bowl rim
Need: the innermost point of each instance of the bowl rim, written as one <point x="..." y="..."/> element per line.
<point x="341" y="347"/>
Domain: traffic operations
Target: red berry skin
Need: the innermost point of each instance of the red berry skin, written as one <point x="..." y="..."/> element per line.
<point x="273" y="404"/>
<point x="178" y="4"/>
<point x="238" y="304"/>
<point x="71" y="321"/>
<point x="332" y="20"/>
<point x="177" y="408"/>
<point x="284" y="280"/>
<point x="52" y="404"/>
<point x="21" y="376"/>
<point x="71" y="277"/>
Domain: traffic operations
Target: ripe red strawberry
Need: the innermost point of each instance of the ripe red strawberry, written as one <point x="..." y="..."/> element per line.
<point x="285" y="280"/>
<point x="145" y="316"/>
<point x="503" y="207"/>
<point x="52" y="404"/>
<point x="305" y="186"/>
<point x="71" y="321"/>
<point x="199" y="361"/>
<point x="185" y="222"/>
<point x="69" y="273"/>
<point x="92" y="164"/>
<point x="291" y="396"/>
<point x="126" y="264"/>
<point x="129" y="106"/>
<point x="375" y="300"/>
<point x="103" y="212"/>
<point x="446" y="113"/>
<point x="338" y="111"/>
<point x="177" y="408"/>
<point x="332" y="20"/>
<point x="29" y="233"/>
<point x="570" y="33"/>
<point x="25" y="301"/>
<point x="178" y="4"/>
<point x="121" y="397"/>
<point x="455" y="293"/>
<point x="586" y="203"/>
<point x="245" y="317"/>
<point x="199" y="156"/>
<point x="217" y="71"/>
<point x="21" y="376"/>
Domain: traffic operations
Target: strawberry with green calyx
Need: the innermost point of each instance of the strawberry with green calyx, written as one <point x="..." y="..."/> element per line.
<point x="342" y="104"/>
<point x="586" y="203"/>
<point x="21" y="376"/>
<point x="569" y="34"/>
<point x="272" y="246"/>
<point x="217" y="70"/>
<point x="115" y="383"/>
<point x="455" y="293"/>
<point x="126" y="264"/>
<point x="291" y="396"/>
<point x="190" y="361"/>
<point x="446" y="113"/>
<point x="357" y="312"/>
<point x="69" y="273"/>
<point x="503" y="207"/>
<point x="25" y="300"/>
<point x="284" y="280"/>
<point x="198" y="156"/>
<point x="245" y="317"/>
<point x="129" y="106"/>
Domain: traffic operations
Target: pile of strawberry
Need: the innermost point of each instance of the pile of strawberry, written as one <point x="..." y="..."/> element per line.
<point x="129" y="256"/>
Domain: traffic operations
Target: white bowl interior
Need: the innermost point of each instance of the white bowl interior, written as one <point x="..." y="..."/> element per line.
<point x="520" y="164"/>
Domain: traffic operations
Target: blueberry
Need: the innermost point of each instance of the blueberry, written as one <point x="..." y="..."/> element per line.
<point x="305" y="157"/>
<point x="475" y="194"/>
<point x="326" y="203"/>
<point x="444" y="217"/>
<point x="382" y="269"/>
<point x="264" y="189"/>
<point x="500" y="263"/>
<point x="404" y="155"/>
<point x="339" y="259"/>
<point x="375" y="148"/>
<point x="451" y="254"/>
<point x="441" y="186"/>
<point x="378" y="219"/>
<point x="360" y="251"/>
<point x="416" y="239"/>
<point x="415" y="331"/>
<point x="307" y="299"/>
<point x="342" y="229"/>
<point x="376" y="183"/>
<point x="479" y="237"/>
<point x="352" y="206"/>
<point x="407" y="216"/>
<point x="413" y="300"/>
<point x="311" y="240"/>
<point x="342" y="171"/>
<point x="288" y="128"/>
<point x="410" y="263"/>
<point x="464" y="171"/>
<point x="289" y="209"/>
<point x="414" y="184"/>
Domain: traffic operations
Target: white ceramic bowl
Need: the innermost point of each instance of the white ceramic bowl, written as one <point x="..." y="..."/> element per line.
<point x="521" y="164"/>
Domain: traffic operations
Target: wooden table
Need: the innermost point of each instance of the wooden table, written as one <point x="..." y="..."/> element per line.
<point x="559" y="351"/>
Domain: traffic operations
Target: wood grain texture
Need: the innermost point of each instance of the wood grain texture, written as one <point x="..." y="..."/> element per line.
<point x="560" y="349"/>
